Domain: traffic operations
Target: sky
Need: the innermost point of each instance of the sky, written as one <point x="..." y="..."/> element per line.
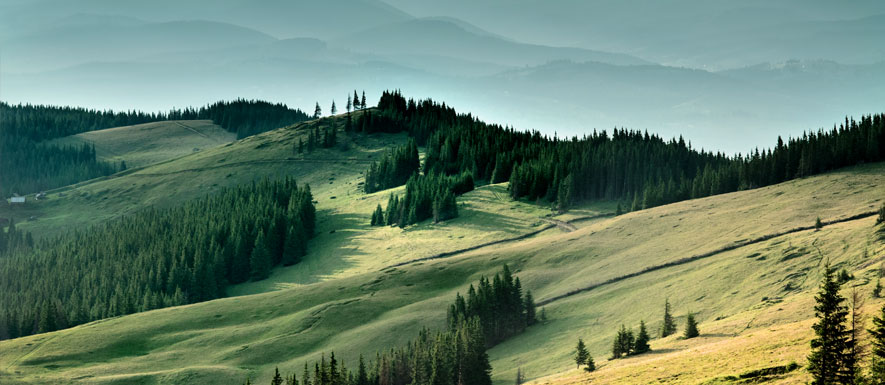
<point x="728" y="76"/>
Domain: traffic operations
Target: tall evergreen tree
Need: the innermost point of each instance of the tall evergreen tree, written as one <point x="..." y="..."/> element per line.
<point x="581" y="353"/>
<point x="668" y="327"/>
<point x="565" y="196"/>
<point x="591" y="365"/>
<point x="260" y="260"/>
<point x="317" y="111"/>
<point x="691" y="327"/>
<point x="277" y="378"/>
<point x="831" y="342"/>
<point x="530" y="314"/>
<point x="294" y="247"/>
<point x="378" y="216"/>
<point x="877" y="364"/>
<point x="333" y="109"/>
<point x="47" y="318"/>
<point x="623" y="343"/>
<point x="641" y="344"/>
<point x="362" y="377"/>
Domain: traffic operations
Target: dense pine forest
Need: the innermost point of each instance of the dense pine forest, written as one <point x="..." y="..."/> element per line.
<point x="453" y="357"/>
<point x="493" y="311"/>
<point x="636" y="168"/>
<point x="152" y="259"/>
<point x="395" y="168"/>
<point x="30" y="165"/>
<point x="427" y="196"/>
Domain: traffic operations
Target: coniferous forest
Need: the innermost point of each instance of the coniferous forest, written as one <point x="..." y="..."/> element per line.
<point x="636" y="168"/>
<point x="427" y="196"/>
<point x="493" y="311"/>
<point x="152" y="259"/>
<point x="395" y="168"/>
<point x="30" y="165"/>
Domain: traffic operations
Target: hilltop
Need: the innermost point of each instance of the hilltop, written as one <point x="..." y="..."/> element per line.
<point x="149" y="143"/>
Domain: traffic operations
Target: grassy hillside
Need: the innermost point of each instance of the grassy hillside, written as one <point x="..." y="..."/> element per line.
<point x="345" y="244"/>
<point x="197" y="174"/>
<point x="754" y="298"/>
<point x="146" y="144"/>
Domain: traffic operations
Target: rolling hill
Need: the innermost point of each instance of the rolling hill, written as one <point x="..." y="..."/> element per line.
<point x="456" y="39"/>
<point x="747" y="263"/>
<point x="104" y="40"/>
<point x="146" y="144"/>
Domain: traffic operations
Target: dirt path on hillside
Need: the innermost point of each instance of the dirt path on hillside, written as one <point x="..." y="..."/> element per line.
<point x="194" y="130"/>
<point x="530" y="234"/>
<point x="693" y="258"/>
<point x="36" y="345"/>
<point x="563" y="225"/>
<point x="253" y="162"/>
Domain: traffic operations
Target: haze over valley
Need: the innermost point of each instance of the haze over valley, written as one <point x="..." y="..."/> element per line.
<point x="413" y="192"/>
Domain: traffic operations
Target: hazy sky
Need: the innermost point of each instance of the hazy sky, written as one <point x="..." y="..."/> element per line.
<point x="728" y="75"/>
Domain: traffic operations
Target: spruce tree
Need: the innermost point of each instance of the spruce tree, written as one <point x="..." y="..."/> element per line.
<point x="830" y="344"/>
<point x="691" y="327"/>
<point x="317" y="112"/>
<point x="363" y="100"/>
<point x="277" y="378"/>
<point x="641" y="344"/>
<point x="591" y="365"/>
<point x="333" y="109"/>
<point x="877" y="364"/>
<point x="854" y="349"/>
<point x="260" y="259"/>
<point x="47" y="318"/>
<point x="565" y="196"/>
<point x="362" y="377"/>
<point x="623" y="343"/>
<point x="378" y="216"/>
<point x="293" y="249"/>
<point x="529" y="306"/>
<point x="581" y="353"/>
<point x="669" y="324"/>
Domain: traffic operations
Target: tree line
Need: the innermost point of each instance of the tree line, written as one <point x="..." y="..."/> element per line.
<point x="638" y="169"/>
<point x="326" y="137"/>
<point x="493" y="311"/>
<point x="29" y="164"/>
<point x="451" y="357"/>
<point x="394" y="169"/>
<point x="500" y="305"/>
<point x="426" y="196"/>
<point x="154" y="258"/>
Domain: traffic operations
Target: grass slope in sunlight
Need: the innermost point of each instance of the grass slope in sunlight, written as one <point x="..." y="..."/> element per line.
<point x="149" y="143"/>
<point x="753" y="299"/>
